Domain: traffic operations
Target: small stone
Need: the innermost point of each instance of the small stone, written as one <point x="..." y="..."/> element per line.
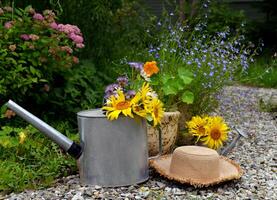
<point x="97" y="187"/>
<point x="78" y="196"/>
<point x="160" y="184"/>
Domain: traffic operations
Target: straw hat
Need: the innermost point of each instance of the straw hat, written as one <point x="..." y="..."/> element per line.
<point x="198" y="166"/>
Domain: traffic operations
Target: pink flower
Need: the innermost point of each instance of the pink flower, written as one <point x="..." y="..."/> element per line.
<point x="76" y="38"/>
<point x="33" y="37"/>
<point x="80" y="45"/>
<point x="9" y="24"/>
<point x="54" y="25"/>
<point x="75" y="59"/>
<point x="24" y="37"/>
<point x="38" y="16"/>
<point x="67" y="49"/>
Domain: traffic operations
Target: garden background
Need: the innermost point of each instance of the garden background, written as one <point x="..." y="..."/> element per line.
<point x="116" y="32"/>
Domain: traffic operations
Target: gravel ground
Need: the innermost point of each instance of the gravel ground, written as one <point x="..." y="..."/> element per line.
<point x="257" y="156"/>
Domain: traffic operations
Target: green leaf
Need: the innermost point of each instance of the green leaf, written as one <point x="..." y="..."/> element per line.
<point x="168" y="89"/>
<point x="187" y="97"/>
<point x="185" y="75"/>
<point x="33" y="70"/>
<point x="165" y="78"/>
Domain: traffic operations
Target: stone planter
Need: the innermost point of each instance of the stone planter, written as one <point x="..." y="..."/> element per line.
<point x="169" y="127"/>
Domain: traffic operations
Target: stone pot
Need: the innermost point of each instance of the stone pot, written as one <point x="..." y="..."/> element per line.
<point x="169" y="127"/>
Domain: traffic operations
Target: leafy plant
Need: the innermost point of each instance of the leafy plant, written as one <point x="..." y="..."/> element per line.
<point x="208" y="62"/>
<point x="34" y="51"/>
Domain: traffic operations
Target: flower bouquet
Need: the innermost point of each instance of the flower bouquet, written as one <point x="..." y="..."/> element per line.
<point x="134" y="97"/>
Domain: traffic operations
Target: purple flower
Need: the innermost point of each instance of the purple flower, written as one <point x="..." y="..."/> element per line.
<point x="136" y="65"/>
<point x="110" y="90"/>
<point x="130" y="94"/>
<point x="38" y="16"/>
<point x="24" y="37"/>
<point x="122" y="81"/>
<point x="211" y="73"/>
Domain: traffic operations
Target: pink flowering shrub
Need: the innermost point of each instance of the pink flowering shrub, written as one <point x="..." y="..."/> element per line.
<point x="35" y="51"/>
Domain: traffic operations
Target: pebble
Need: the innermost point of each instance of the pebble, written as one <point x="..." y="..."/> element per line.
<point x="256" y="154"/>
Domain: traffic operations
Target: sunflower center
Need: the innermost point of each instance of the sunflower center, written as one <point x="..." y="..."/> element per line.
<point x="122" y="105"/>
<point x="201" y="129"/>
<point x="215" y="134"/>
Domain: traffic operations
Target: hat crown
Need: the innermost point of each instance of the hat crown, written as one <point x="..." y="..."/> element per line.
<point x="195" y="162"/>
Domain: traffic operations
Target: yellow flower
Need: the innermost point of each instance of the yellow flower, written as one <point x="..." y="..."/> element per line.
<point x="217" y="131"/>
<point x="197" y="127"/>
<point x="155" y="108"/>
<point x="22" y="137"/>
<point x="150" y="68"/>
<point x="118" y="104"/>
<point x="145" y="91"/>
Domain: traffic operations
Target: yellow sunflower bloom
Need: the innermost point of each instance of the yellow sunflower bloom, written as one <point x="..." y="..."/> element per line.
<point x="217" y="131"/>
<point x="145" y="90"/>
<point x="197" y="127"/>
<point x="155" y="107"/>
<point x="118" y="104"/>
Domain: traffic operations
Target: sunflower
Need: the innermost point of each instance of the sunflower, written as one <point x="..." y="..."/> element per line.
<point x="197" y="126"/>
<point x="117" y="104"/>
<point x="150" y="68"/>
<point x="145" y="91"/>
<point x="217" y="131"/>
<point x="155" y="108"/>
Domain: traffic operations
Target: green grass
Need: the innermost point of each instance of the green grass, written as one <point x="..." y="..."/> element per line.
<point x="262" y="73"/>
<point x="33" y="164"/>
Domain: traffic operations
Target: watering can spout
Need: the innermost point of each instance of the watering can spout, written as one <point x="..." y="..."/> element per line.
<point x="65" y="143"/>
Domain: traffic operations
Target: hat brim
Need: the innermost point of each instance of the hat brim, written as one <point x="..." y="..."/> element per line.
<point x="229" y="170"/>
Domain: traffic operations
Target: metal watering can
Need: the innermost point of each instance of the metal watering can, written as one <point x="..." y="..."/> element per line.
<point x="112" y="153"/>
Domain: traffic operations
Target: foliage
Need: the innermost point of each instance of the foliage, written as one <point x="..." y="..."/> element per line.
<point x="213" y="60"/>
<point x="34" y="53"/>
<point x="262" y="73"/>
<point x="111" y="28"/>
<point x="37" y="65"/>
<point x="221" y="16"/>
<point x="266" y="29"/>
<point x="29" y="160"/>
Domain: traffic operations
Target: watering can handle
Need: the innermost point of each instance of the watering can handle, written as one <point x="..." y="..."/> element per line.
<point x="160" y="145"/>
<point x="65" y="143"/>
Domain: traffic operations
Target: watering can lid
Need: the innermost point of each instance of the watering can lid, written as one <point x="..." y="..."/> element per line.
<point x="91" y="113"/>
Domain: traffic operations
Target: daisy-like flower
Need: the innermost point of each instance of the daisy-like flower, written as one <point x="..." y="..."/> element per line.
<point x="150" y="68"/>
<point x="117" y="104"/>
<point x="155" y="107"/>
<point x="197" y="126"/>
<point x="217" y="131"/>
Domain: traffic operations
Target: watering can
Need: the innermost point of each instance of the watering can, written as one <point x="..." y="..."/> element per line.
<point x="112" y="153"/>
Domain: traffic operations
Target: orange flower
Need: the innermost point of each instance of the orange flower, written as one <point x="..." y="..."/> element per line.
<point x="150" y="68"/>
